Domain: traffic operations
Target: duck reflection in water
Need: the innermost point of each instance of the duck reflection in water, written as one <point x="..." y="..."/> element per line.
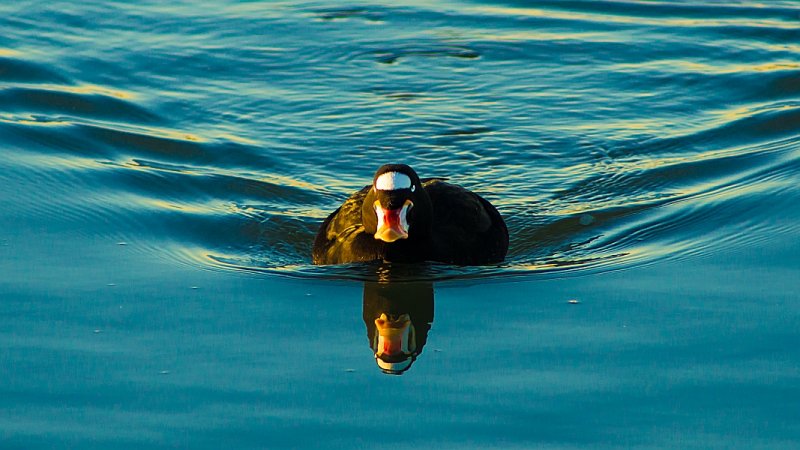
<point x="398" y="317"/>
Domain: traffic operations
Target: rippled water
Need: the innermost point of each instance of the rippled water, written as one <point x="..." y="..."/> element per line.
<point x="608" y="134"/>
<point x="216" y="136"/>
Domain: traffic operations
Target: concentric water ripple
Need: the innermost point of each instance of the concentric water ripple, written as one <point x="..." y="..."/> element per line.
<point x="608" y="134"/>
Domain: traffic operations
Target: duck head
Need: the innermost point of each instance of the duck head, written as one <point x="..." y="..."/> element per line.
<point x="397" y="206"/>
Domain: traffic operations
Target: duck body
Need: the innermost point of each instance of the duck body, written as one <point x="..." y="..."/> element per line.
<point x="412" y="220"/>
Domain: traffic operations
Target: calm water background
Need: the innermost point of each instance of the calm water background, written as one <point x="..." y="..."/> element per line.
<point x="166" y="164"/>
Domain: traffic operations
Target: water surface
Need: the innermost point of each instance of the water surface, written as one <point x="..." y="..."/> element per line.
<point x="166" y="166"/>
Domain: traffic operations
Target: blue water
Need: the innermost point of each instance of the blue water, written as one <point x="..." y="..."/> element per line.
<point x="166" y="166"/>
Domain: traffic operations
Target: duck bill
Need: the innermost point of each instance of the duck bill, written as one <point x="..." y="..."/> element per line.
<point x="392" y="223"/>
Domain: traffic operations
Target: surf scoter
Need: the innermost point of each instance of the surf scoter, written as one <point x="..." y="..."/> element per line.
<point x="400" y="218"/>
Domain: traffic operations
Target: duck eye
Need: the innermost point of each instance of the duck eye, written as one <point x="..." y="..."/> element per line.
<point x="413" y="188"/>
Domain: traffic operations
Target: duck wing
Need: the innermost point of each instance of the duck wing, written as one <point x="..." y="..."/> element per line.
<point x="467" y="229"/>
<point x="338" y="232"/>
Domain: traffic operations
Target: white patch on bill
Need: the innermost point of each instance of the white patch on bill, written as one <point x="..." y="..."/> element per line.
<point x="391" y="181"/>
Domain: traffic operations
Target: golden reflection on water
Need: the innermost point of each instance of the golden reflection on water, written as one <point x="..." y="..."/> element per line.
<point x="628" y="20"/>
<point x="157" y="132"/>
<point x="92" y="89"/>
<point x="235" y="138"/>
<point x="39" y="121"/>
<point x="283" y="180"/>
<point x="171" y="134"/>
<point x="683" y="66"/>
<point x="540" y="35"/>
<point x="54" y="161"/>
<point x="734" y="114"/>
<point x="164" y="204"/>
<point x="82" y="89"/>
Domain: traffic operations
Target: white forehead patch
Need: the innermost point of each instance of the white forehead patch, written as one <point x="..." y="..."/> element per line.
<point x="391" y="181"/>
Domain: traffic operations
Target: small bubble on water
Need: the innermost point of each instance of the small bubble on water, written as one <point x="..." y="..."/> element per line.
<point x="194" y="287"/>
<point x="111" y="284"/>
<point x="164" y="372"/>
<point x="349" y="370"/>
<point x="573" y="301"/>
<point x="122" y="243"/>
<point x="586" y="219"/>
<point x="97" y="331"/>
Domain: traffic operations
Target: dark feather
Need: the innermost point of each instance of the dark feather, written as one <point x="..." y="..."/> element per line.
<point x="465" y="229"/>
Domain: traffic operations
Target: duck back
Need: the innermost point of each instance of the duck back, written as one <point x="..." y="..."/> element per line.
<point x="466" y="230"/>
